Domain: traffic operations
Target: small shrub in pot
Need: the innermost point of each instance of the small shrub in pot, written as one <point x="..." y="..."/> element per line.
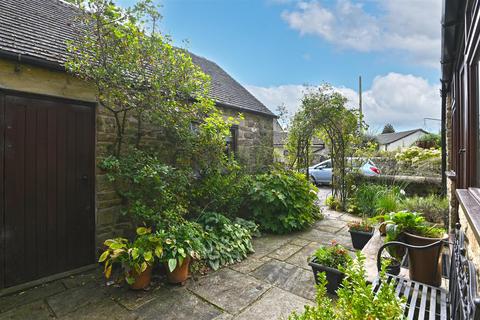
<point x="360" y="232"/>
<point x="330" y="259"/>
<point x="412" y="228"/>
<point x="135" y="258"/>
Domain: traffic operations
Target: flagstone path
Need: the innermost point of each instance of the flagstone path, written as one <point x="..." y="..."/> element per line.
<point x="270" y="284"/>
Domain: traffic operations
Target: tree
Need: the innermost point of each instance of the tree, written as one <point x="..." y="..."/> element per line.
<point x="150" y="87"/>
<point x="323" y="114"/>
<point x="388" y="128"/>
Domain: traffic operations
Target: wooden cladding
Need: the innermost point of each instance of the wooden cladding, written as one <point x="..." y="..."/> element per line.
<point x="47" y="193"/>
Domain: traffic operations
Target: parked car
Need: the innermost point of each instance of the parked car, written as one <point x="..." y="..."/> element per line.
<point x="322" y="173"/>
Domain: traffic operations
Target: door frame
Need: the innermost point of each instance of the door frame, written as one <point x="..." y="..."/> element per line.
<point x="3" y="93"/>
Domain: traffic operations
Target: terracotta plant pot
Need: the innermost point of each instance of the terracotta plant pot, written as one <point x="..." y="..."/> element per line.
<point x="142" y="280"/>
<point x="424" y="265"/>
<point x="180" y="273"/>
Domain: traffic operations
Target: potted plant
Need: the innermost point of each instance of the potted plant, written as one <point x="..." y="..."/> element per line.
<point x="136" y="258"/>
<point x="393" y="266"/>
<point x="413" y="229"/>
<point x="360" y="232"/>
<point x="329" y="259"/>
<point x="182" y="243"/>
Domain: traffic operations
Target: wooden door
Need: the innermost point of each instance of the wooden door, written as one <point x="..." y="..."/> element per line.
<point x="47" y="208"/>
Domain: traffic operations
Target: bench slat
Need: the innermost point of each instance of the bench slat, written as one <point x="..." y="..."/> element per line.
<point x="433" y="303"/>
<point x="423" y="303"/>
<point x="443" y="305"/>
<point x="413" y="301"/>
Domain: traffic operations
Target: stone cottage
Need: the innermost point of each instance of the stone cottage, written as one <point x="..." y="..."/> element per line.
<point x="55" y="205"/>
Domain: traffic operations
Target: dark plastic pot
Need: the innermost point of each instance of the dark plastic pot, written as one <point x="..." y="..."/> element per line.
<point x="394" y="268"/>
<point x="360" y="238"/>
<point x="334" y="276"/>
<point x="424" y="265"/>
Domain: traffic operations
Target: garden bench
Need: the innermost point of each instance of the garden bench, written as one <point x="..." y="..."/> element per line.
<point x="459" y="301"/>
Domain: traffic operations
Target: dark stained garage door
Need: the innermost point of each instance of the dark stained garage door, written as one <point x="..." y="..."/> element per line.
<point x="47" y="186"/>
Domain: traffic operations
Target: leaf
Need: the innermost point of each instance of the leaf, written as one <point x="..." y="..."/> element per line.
<point x="134" y="253"/>
<point x="142" y="231"/>
<point x="108" y="271"/>
<point x="172" y="264"/>
<point x="104" y="256"/>
<point x="148" y="256"/>
<point x="159" y="251"/>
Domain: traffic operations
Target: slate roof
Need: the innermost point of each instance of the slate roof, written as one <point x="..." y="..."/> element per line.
<point x="38" y="30"/>
<point x="387" y="138"/>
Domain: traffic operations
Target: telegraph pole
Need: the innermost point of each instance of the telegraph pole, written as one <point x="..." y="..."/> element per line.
<point x="360" y="111"/>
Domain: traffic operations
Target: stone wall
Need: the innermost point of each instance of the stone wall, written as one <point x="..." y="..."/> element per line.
<point x="473" y="245"/>
<point x="255" y="139"/>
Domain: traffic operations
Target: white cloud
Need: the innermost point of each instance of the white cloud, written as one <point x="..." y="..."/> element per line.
<point x="400" y="99"/>
<point x="411" y="26"/>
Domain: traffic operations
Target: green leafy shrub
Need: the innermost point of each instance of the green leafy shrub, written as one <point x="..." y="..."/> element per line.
<point x="283" y="201"/>
<point x="220" y="189"/>
<point x="411" y="222"/>
<point x="387" y="202"/>
<point x="181" y="240"/>
<point x="333" y="203"/>
<point x="356" y="299"/>
<point x="225" y="242"/>
<point x="415" y="154"/>
<point x="370" y="199"/>
<point x="151" y="189"/>
<point x="431" y="140"/>
<point x="433" y="207"/>
<point x="332" y="256"/>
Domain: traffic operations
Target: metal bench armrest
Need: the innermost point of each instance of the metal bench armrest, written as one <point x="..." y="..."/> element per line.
<point x="406" y="245"/>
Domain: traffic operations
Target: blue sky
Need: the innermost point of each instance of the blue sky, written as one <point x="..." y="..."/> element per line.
<point x="273" y="47"/>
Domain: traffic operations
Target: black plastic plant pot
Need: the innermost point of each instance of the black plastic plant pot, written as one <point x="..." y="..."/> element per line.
<point x="334" y="276"/>
<point x="360" y="238"/>
<point x="394" y="268"/>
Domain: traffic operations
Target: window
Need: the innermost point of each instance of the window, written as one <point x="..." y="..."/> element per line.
<point x="232" y="141"/>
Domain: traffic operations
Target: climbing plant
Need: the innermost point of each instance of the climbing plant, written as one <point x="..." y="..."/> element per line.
<point x="323" y="114"/>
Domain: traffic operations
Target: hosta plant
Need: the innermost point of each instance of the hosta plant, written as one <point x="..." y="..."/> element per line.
<point x="226" y="242"/>
<point x="134" y="257"/>
<point x="181" y="241"/>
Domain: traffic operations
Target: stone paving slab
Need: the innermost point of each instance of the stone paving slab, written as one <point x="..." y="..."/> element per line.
<point x="249" y="265"/>
<point x="33" y="294"/>
<point x="228" y="289"/>
<point x="275" y="304"/>
<point x="73" y="299"/>
<point x="268" y="243"/>
<point x="288" y="277"/>
<point x="301" y="258"/>
<point x="102" y="310"/>
<point x="37" y="310"/>
<point x="178" y="304"/>
<point x="284" y="252"/>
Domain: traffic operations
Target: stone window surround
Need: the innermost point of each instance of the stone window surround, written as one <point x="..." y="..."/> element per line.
<point x="469" y="200"/>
